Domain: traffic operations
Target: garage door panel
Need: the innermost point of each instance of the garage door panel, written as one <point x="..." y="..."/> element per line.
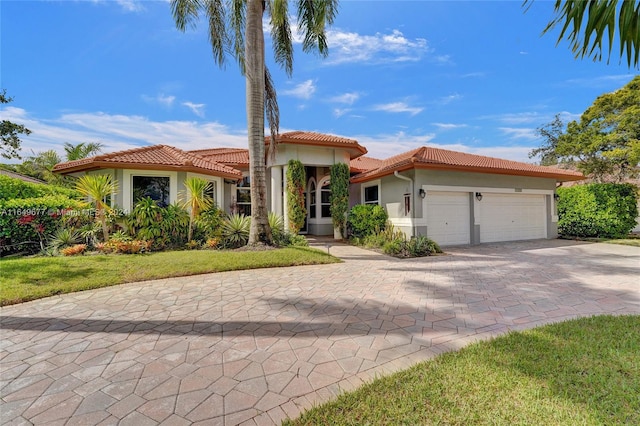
<point x="448" y="220"/>
<point x="510" y="217"/>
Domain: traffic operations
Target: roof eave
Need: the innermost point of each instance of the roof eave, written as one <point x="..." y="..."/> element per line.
<point x="560" y="177"/>
<point x="96" y="165"/>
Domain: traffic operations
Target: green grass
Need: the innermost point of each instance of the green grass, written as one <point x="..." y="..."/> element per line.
<point x="579" y="372"/>
<point x="635" y="242"/>
<point x="26" y="279"/>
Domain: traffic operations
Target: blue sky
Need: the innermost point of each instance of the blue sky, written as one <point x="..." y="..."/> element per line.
<point x="474" y="76"/>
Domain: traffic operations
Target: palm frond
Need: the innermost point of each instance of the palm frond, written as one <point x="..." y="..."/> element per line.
<point x="313" y="17"/>
<point x="281" y="34"/>
<point x="185" y="13"/>
<point x="218" y="36"/>
<point x="272" y="111"/>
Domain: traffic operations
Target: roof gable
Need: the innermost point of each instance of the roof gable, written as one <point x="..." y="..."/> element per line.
<point x="321" y="139"/>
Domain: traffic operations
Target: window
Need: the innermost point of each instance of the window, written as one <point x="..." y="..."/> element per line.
<point x="325" y="199"/>
<point x="243" y="196"/>
<point x="371" y="194"/>
<point x="407" y="204"/>
<point x="211" y="190"/>
<point x="312" y="199"/>
<point x="154" y="187"/>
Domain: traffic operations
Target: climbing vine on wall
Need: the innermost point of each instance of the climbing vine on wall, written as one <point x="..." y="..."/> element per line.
<point x="296" y="209"/>
<point x="339" y="194"/>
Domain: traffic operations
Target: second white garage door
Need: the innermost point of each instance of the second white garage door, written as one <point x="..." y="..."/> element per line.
<point x="448" y="217"/>
<point x="511" y="217"/>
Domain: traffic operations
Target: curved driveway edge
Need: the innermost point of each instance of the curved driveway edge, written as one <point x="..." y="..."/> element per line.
<point x="255" y="347"/>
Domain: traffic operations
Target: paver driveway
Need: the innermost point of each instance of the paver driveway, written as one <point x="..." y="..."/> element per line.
<point x="257" y="346"/>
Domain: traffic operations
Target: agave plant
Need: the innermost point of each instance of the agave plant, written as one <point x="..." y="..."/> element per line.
<point x="235" y="230"/>
<point x="64" y="237"/>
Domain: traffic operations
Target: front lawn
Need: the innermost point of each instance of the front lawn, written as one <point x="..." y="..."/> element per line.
<point x="584" y="371"/>
<point x="26" y="279"/>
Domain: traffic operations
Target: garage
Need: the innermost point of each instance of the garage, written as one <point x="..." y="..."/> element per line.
<point x="448" y="220"/>
<point x="512" y="217"/>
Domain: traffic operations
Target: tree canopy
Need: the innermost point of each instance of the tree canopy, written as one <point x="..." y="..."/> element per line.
<point x="605" y="143"/>
<point x="586" y="22"/>
<point x="10" y="146"/>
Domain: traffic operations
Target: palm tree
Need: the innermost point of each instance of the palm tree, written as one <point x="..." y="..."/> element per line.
<point x="196" y="199"/>
<point x="599" y="18"/>
<point x="98" y="188"/>
<point x="236" y="27"/>
<point x="82" y="150"/>
<point x="41" y="166"/>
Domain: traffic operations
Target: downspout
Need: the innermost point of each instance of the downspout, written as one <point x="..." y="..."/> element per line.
<point x="413" y="202"/>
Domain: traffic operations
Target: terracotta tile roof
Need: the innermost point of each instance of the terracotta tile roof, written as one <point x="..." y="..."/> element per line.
<point x="441" y="159"/>
<point x="228" y="156"/>
<point x="321" y="139"/>
<point x="363" y="164"/>
<point x="155" y="157"/>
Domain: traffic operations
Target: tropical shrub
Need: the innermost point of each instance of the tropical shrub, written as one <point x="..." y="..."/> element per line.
<point x="73" y="250"/>
<point x="366" y="219"/>
<point x="296" y="208"/>
<point x="415" y="247"/>
<point x="25" y="223"/>
<point x="208" y="225"/>
<point x="164" y="226"/>
<point x="605" y="210"/>
<point x="235" y="230"/>
<point x="339" y="194"/>
<point x="120" y="242"/>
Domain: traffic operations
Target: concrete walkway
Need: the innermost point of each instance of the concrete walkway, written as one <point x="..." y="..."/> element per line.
<point x="255" y="347"/>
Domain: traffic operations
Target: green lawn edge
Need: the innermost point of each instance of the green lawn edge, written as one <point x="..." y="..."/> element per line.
<point x="26" y="279"/>
<point x="584" y="371"/>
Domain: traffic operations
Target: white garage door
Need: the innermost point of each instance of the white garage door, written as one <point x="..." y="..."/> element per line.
<point x="511" y="217"/>
<point x="448" y="217"/>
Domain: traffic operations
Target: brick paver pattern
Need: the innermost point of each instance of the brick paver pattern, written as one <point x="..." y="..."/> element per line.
<point x="256" y="347"/>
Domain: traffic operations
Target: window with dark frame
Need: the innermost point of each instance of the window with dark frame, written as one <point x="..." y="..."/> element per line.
<point x="312" y="200"/>
<point x="371" y="194"/>
<point x="154" y="187"/>
<point x="325" y="199"/>
<point x="243" y="196"/>
<point x="407" y="204"/>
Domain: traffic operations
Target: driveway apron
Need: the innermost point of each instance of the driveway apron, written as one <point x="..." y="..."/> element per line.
<point x="255" y="347"/>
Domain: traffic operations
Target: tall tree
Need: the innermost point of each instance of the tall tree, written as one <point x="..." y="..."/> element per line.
<point x="586" y="22"/>
<point x="81" y="150"/>
<point x="235" y="26"/>
<point x="605" y="142"/>
<point x="9" y="132"/>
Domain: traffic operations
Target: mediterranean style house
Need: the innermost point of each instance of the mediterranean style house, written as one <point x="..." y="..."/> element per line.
<point x="452" y="197"/>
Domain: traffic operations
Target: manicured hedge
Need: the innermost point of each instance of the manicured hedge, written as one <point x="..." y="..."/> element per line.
<point x="366" y="219"/>
<point x="11" y="188"/>
<point x="604" y="210"/>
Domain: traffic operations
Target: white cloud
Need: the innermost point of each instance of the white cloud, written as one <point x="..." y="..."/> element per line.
<point x="119" y="132"/>
<point x="519" y="133"/>
<point x="448" y="99"/>
<point x="161" y="99"/>
<point x="126" y="5"/>
<point x="449" y="126"/>
<point x="387" y="145"/>
<point x="303" y="90"/>
<point x="197" y="109"/>
<point x="349" y="47"/>
<point x="346" y="98"/>
<point x="398" y="107"/>
<point x="339" y="112"/>
<point x="602" y="81"/>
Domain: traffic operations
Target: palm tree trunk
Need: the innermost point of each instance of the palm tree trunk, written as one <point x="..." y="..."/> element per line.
<point x="255" y="86"/>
